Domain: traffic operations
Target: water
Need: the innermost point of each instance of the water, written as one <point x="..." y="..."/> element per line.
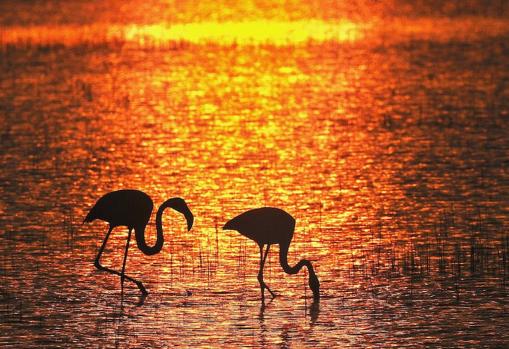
<point x="387" y="140"/>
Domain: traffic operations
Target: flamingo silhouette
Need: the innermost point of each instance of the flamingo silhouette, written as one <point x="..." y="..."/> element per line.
<point x="132" y="208"/>
<point x="268" y="226"/>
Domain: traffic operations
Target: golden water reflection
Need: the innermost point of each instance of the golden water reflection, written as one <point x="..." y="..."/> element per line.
<point x="390" y="156"/>
<point x="245" y="32"/>
<point x="255" y="32"/>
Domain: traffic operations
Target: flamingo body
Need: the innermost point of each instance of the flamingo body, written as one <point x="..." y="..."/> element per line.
<point x="268" y="226"/>
<point x="132" y="208"/>
<point x="265" y="226"/>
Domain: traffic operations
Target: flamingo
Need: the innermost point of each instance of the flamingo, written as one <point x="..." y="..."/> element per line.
<point x="132" y="208"/>
<point x="268" y="226"/>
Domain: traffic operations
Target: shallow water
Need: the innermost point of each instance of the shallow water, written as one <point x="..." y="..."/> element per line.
<point x="389" y="150"/>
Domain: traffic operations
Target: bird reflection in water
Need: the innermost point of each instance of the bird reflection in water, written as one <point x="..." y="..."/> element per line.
<point x="313" y="311"/>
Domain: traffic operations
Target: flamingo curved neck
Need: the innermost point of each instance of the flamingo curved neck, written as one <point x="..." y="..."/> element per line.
<point x="140" y="234"/>
<point x="314" y="284"/>
<point x="283" y="260"/>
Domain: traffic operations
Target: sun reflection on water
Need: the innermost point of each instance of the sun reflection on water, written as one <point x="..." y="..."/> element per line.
<point x="306" y="115"/>
<point x="245" y="32"/>
<point x="257" y="32"/>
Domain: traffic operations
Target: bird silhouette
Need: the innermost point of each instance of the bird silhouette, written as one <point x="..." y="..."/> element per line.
<point x="268" y="226"/>
<point x="132" y="208"/>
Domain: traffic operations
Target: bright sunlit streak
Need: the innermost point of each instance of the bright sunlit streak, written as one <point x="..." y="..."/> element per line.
<point x="259" y="32"/>
<point x="249" y="32"/>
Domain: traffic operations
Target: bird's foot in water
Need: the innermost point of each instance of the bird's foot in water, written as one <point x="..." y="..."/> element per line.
<point x="272" y="294"/>
<point x="142" y="300"/>
<point x="270" y="291"/>
<point x="142" y="288"/>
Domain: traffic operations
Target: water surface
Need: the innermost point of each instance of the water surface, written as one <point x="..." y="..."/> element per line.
<point x="386" y="139"/>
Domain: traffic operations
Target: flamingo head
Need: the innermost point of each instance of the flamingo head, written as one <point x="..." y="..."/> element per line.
<point x="314" y="285"/>
<point x="180" y="205"/>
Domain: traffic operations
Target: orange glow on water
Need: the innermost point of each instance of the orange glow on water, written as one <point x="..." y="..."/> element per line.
<point x="232" y="106"/>
<point x="246" y="32"/>
<point x="250" y="32"/>
<point x="253" y="32"/>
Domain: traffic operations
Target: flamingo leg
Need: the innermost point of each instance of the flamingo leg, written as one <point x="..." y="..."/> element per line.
<point x="260" y="274"/>
<point x="122" y="277"/>
<point x="264" y="258"/>
<point x="98" y="257"/>
<point x="263" y="285"/>
<point x="100" y="267"/>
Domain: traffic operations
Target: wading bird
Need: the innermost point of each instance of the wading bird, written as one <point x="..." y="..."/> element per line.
<point x="268" y="226"/>
<point x="132" y="208"/>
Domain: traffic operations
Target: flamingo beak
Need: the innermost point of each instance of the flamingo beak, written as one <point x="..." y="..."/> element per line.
<point x="188" y="214"/>
<point x="189" y="218"/>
